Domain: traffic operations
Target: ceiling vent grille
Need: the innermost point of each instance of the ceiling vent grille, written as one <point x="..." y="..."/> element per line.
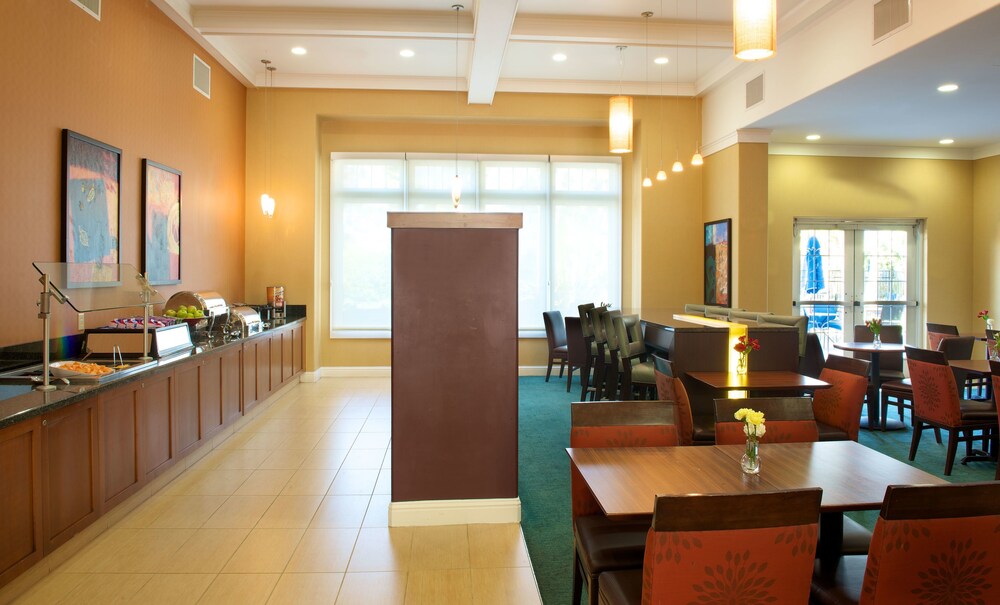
<point x="202" y="77"/>
<point x="93" y="7"/>
<point x="889" y="17"/>
<point x="755" y="91"/>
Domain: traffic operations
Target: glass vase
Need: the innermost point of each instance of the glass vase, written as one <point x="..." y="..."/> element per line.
<point x="750" y="463"/>
<point x="877" y="340"/>
<point x="741" y="364"/>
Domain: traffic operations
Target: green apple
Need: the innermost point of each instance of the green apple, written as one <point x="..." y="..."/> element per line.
<point x="170" y="313"/>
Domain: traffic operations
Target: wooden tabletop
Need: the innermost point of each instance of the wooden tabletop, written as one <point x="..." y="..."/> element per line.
<point x="982" y="366"/>
<point x="625" y="481"/>
<point x="867" y="347"/>
<point x="759" y="380"/>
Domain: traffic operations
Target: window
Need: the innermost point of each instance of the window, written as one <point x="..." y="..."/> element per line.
<point x="569" y="247"/>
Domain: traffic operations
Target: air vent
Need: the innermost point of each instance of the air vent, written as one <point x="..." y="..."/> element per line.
<point x="890" y="16"/>
<point x="755" y="91"/>
<point x="93" y="7"/>
<point x="202" y="77"/>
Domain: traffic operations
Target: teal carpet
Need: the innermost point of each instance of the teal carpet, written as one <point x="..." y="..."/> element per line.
<point x="543" y="478"/>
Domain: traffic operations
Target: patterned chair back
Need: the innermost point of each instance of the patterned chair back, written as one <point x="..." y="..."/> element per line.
<point x="840" y="405"/>
<point x="935" y="393"/>
<point x="670" y="388"/>
<point x="786" y="420"/>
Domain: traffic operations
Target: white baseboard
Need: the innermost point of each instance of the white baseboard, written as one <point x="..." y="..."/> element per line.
<point x="535" y="371"/>
<point x="386" y="371"/>
<point x="454" y="512"/>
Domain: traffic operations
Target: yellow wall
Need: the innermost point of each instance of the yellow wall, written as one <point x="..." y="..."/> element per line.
<point x="309" y="124"/>
<point x="939" y="191"/>
<point x="986" y="236"/>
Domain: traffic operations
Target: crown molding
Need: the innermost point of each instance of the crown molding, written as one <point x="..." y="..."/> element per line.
<point x="870" y="151"/>
<point x="745" y="135"/>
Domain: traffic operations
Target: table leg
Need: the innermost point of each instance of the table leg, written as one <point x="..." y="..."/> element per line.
<point x="872" y="421"/>
<point x="831" y="536"/>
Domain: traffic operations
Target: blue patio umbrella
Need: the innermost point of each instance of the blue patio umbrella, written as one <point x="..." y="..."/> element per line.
<point x="814" y="267"/>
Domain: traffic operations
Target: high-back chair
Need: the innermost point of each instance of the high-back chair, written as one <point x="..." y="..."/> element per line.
<point x="838" y="409"/>
<point x="587" y="330"/>
<point x="786" y="420"/>
<point x="596" y="316"/>
<point x="555" y="334"/>
<point x="576" y="350"/>
<point x="637" y="369"/>
<point x="890" y="364"/>
<point x="724" y="548"/>
<point x="613" y="369"/>
<point x="603" y="544"/>
<point x="936" y="403"/>
<point x="938" y="332"/>
<point x="813" y="361"/>
<point x="671" y="388"/>
<point x="931" y="544"/>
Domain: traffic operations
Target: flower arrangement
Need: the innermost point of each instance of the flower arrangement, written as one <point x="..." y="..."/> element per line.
<point x="874" y="325"/>
<point x="743" y="346"/>
<point x="753" y="428"/>
<point x="984" y="314"/>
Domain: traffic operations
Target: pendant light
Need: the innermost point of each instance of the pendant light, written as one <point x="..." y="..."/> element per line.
<point x="678" y="166"/>
<point x="620" y="113"/>
<point x="661" y="174"/>
<point x="266" y="201"/>
<point x="754" y="29"/>
<point x="696" y="159"/>
<point x="456" y="184"/>
<point x="646" y="181"/>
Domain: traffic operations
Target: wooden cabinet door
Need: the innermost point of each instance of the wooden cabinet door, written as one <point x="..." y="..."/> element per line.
<point x="264" y="384"/>
<point x="187" y="409"/>
<point x="121" y="469"/>
<point x="69" y="472"/>
<point x="276" y="348"/>
<point x="157" y="444"/>
<point x="20" y="498"/>
<point x="298" y="348"/>
<point x="230" y="363"/>
<point x="210" y="394"/>
<point x="250" y="397"/>
<point x="287" y="345"/>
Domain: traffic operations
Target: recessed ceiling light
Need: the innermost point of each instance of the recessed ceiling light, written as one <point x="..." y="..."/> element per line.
<point x="406" y="52"/>
<point x="661" y="60"/>
<point x="948" y="88"/>
<point x="813" y="137"/>
<point x="298" y="50"/>
<point x="946" y="141"/>
<point x="559" y="57"/>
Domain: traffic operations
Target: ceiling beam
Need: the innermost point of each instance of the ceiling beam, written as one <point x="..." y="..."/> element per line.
<point x="328" y="22"/>
<point x="494" y="21"/>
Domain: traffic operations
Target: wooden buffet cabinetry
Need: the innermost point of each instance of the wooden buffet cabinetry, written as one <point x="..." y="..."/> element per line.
<point x="63" y="469"/>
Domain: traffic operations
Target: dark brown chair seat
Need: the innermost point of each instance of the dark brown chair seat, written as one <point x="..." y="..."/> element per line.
<point x="604" y="544"/>
<point x="831" y="433"/>
<point x="622" y="587"/>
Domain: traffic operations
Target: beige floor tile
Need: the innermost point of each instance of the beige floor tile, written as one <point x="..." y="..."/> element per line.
<point x="322" y="458"/>
<point x="208" y="483"/>
<point x="181" y="512"/>
<point x="240" y="511"/>
<point x="341" y="511"/>
<point x="383" y="486"/>
<point x="242" y="459"/>
<point x="170" y="589"/>
<point x="354" y="482"/>
<point x="286" y="459"/>
<point x="347" y="425"/>
<point x="100" y="550"/>
<point x="382" y="549"/>
<point x="240" y="589"/>
<point x="142" y="551"/>
<point x="497" y="545"/>
<point x="336" y="441"/>
<point x="302" y="441"/>
<point x="387" y="463"/>
<point x="265" y="482"/>
<point x="102" y="588"/>
<point x="370" y="459"/>
<point x="207" y="551"/>
<point x="146" y="513"/>
<point x="442" y="547"/>
<point x="384" y="588"/>
<point x="377" y="514"/>
<point x="323" y="551"/>
<point x="235" y="441"/>
<point x="355" y="411"/>
<point x="306" y="588"/>
<point x="309" y="482"/>
<point x="52" y="588"/>
<point x="264" y="551"/>
<point x="504" y="586"/>
<point x="277" y="425"/>
<point x="439" y="587"/>
<point x="265" y="441"/>
<point x="290" y="511"/>
<point x="372" y="440"/>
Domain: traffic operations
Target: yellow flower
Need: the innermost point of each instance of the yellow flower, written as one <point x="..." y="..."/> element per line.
<point x="755" y="418"/>
<point x="741" y="413"/>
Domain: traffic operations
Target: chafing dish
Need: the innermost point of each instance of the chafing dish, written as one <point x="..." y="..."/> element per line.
<point x="163" y="341"/>
<point x="211" y="304"/>
<point x="244" y="320"/>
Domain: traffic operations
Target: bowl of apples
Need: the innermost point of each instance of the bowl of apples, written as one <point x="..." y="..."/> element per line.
<point x="193" y="316"/>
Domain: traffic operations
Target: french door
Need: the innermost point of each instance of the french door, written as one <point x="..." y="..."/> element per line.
<point x="848" y="272"/>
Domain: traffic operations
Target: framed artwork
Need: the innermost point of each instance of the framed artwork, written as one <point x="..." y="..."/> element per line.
<point x="91" y="200"/>
<point x="718" y="259"/>
<point x="161" y="223"/>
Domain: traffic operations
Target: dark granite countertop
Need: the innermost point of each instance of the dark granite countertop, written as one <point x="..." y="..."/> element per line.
<point x="19" y="407"/>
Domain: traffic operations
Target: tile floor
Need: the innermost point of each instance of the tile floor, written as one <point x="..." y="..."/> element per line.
<point x="293" y="508"/>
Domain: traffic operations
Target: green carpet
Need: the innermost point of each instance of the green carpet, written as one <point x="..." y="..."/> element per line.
<point x="543" y="478"/>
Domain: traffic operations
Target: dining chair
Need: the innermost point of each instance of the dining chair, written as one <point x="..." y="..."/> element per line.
<point x="603" y="544"/>
<point x="637" y="368"/>
<point x="931" y="544"/>
<point x="812" y="363"/>
<point x="838" y="409"/>
<point x="936" y="403"/>
<point x="938" y="332"/>
<point x="576" y="350"/>
<point x="555" y="334"/>
<point x="599" y="378"/>
<point x="613" y="369"/>
<point x="786" y="420"/>
<point x="587" y="329"/>
<point x="724" y="548"/>
<point x="671" y="388"/>
<point x="890" y="364"/>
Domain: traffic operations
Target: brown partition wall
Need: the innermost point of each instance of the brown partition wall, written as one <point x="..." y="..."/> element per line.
<point x="454" y="355"/>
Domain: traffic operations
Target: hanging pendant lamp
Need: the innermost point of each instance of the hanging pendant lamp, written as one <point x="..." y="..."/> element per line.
<point x="267" y="202"/>
<point x="646" y="181"/>
<point x="620" y="114"/>
<point x="456" y="183"/>
<point x="754" y="29"/>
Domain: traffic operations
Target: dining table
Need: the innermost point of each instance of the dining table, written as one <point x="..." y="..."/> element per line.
<point x="872" y="421"/>
<point x="762" y="381"/>
<point x="626" y="481"/>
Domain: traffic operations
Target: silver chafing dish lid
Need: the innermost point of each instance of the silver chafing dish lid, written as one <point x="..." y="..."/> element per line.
<point x="211" y="303"/>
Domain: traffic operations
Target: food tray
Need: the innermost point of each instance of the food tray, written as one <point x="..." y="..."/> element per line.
<point x="58" y="370"/>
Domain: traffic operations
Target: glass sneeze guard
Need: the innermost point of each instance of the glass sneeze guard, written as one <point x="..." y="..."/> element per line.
<point x="98" y="287"/>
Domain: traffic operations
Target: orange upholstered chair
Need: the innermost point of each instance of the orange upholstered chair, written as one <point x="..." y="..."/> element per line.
<point x="721" y="548"/>
<point x="602" y="544"/>
<point x="931" y="544"/>
<point x="670" y="388"/>
<point x="838" y="409"/>
<point x="787" y="419"/>
<point x="936" y="404"/>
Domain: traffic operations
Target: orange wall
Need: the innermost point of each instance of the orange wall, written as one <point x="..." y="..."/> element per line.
<point x="124" y="80"/>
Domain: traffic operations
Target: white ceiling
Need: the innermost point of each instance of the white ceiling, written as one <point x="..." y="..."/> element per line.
<point x="507" y="45"/>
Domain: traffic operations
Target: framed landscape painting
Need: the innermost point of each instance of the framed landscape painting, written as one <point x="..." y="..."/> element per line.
<point x="161" y="223"/>
<point x="91" y="200"/>
<point x="718" y="258"/>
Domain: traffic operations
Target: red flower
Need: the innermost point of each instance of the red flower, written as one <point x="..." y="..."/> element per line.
<point x="745" y="344"/>
<point x="984" y="314"/>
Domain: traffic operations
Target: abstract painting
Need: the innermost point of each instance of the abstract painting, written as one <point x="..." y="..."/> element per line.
<point x="718" y="258"/>
<point x="161" y="220"/>
<point x="91" y="201"/>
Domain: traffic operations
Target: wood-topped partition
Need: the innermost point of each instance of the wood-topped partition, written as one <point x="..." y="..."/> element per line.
<point x="454" y="367"/>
